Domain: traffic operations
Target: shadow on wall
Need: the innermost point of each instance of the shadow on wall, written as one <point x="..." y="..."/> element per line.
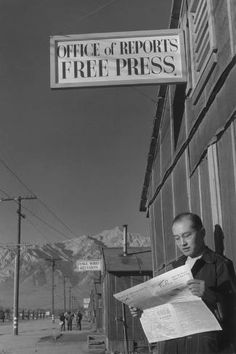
<point x="219" y="239"/>
<point x="219" y="248"/>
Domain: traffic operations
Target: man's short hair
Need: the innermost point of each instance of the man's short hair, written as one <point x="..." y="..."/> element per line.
<point x="196" y="220"/>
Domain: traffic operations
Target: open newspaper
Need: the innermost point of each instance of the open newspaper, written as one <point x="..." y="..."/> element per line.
<point x="169" y="308"/>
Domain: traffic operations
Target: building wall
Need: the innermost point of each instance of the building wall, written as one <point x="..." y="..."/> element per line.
<point x="195" y="161"/>
<point x="114" y="329"/>
<point x="95" y="308"/>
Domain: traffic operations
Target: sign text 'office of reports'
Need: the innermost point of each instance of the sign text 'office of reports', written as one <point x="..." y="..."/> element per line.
<point x="129" y="58"/>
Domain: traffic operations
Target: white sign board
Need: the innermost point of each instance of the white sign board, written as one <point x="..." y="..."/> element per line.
<point x="123" y="58"/>
<point x="88" y="265"/>
<point x="86" y="300"/>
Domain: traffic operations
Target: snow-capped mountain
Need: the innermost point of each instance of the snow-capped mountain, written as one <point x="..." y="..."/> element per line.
<point x="36" y="269"/>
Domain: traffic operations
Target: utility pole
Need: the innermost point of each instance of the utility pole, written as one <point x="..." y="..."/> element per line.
<point x="17" y="259"/>
<point x="64" y="293"/>
<point x="53" y="261"/>
<point x="74" y="303"/>
<point x="69" y="298"/>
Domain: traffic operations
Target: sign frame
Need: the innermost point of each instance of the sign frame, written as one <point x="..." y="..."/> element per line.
<point x="54" y="40"/>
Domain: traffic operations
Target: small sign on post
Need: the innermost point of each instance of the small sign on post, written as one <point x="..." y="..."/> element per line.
<point x="86" y="302"/>
<point x="88" y="265"/>
<point x="123" y="58"/>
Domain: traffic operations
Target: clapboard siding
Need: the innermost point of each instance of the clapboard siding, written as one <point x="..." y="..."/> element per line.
<point x="194" y="167"/>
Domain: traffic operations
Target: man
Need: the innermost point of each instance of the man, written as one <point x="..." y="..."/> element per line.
<point x="2" y="315"/>
<point x="214" y="281"/>
<point x="62" y="322"/>
<point x="69" y="319"/>
<point x="79" y="317"/>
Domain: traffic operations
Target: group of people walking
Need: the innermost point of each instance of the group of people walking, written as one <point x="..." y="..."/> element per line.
<point x="66" y="320"/>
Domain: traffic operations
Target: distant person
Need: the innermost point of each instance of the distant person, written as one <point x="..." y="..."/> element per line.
<point x="79" y="317"/>
<point x="213" y="281"/>
<point x="2" y="315"/>
<point x="62" y="322"/>
<point x="69" y="319"/>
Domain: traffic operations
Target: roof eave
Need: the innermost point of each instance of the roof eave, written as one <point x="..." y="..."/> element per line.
<point x="174" y="21"/>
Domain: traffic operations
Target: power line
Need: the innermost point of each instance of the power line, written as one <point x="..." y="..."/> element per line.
<point x="147" y="96"/>
<point x="36" y="216"/>
<point x="54" y="214"/>
<point x="5" y="193"/>
<point x="14" y="246"/>
<point x="46" y="223"/>
<point x="31" y="192"/>
<point x="95" y="11"/>
<point x="52" y="227"/>
<point x="41" y="201"/>
<point x="15" y="175"/>
<point x="37" y="229"/>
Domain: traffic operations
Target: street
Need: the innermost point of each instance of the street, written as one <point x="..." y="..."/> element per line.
<point x="42" y="336"/>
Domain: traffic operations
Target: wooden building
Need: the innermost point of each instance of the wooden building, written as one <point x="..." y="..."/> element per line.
<point x="96" y="306"/>
<point x="192" y="157"/>
<point x="122" y="331"/>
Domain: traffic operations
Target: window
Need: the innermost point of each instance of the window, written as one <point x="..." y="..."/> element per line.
<point x="202" y="38"/>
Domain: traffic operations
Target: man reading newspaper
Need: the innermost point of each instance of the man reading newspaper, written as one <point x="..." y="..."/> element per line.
<point x="213" y="281"/>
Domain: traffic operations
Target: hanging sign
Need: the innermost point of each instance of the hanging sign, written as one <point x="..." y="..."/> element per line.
<point x="123" y="58"/>
<point x="86" y="302"/>
<point x="88" y="265"/>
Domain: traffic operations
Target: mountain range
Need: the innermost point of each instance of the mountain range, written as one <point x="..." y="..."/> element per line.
<point x="35" y="290"/>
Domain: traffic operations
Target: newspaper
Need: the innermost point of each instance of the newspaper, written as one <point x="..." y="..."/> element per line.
<point x="169" y="308"/>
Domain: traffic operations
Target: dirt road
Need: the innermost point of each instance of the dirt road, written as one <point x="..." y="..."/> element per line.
<point x="44" y="337"/>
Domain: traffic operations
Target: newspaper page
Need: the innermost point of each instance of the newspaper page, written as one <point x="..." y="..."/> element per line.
<point x="169" y="308"/>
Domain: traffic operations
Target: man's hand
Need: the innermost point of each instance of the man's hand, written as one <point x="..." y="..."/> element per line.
<point x="135" y="312"/>
<point x="197" y="287"/>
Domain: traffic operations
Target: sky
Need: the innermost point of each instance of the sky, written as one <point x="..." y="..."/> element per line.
<point x="81" y="151"/>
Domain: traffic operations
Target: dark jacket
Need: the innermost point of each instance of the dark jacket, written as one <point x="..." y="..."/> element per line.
<point x="220" y="294"/>
<point x="62" y="317"/>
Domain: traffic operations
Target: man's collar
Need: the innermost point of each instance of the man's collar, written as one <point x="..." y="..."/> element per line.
<point x="180" y="261"/>
<point x="208" y="256"/>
